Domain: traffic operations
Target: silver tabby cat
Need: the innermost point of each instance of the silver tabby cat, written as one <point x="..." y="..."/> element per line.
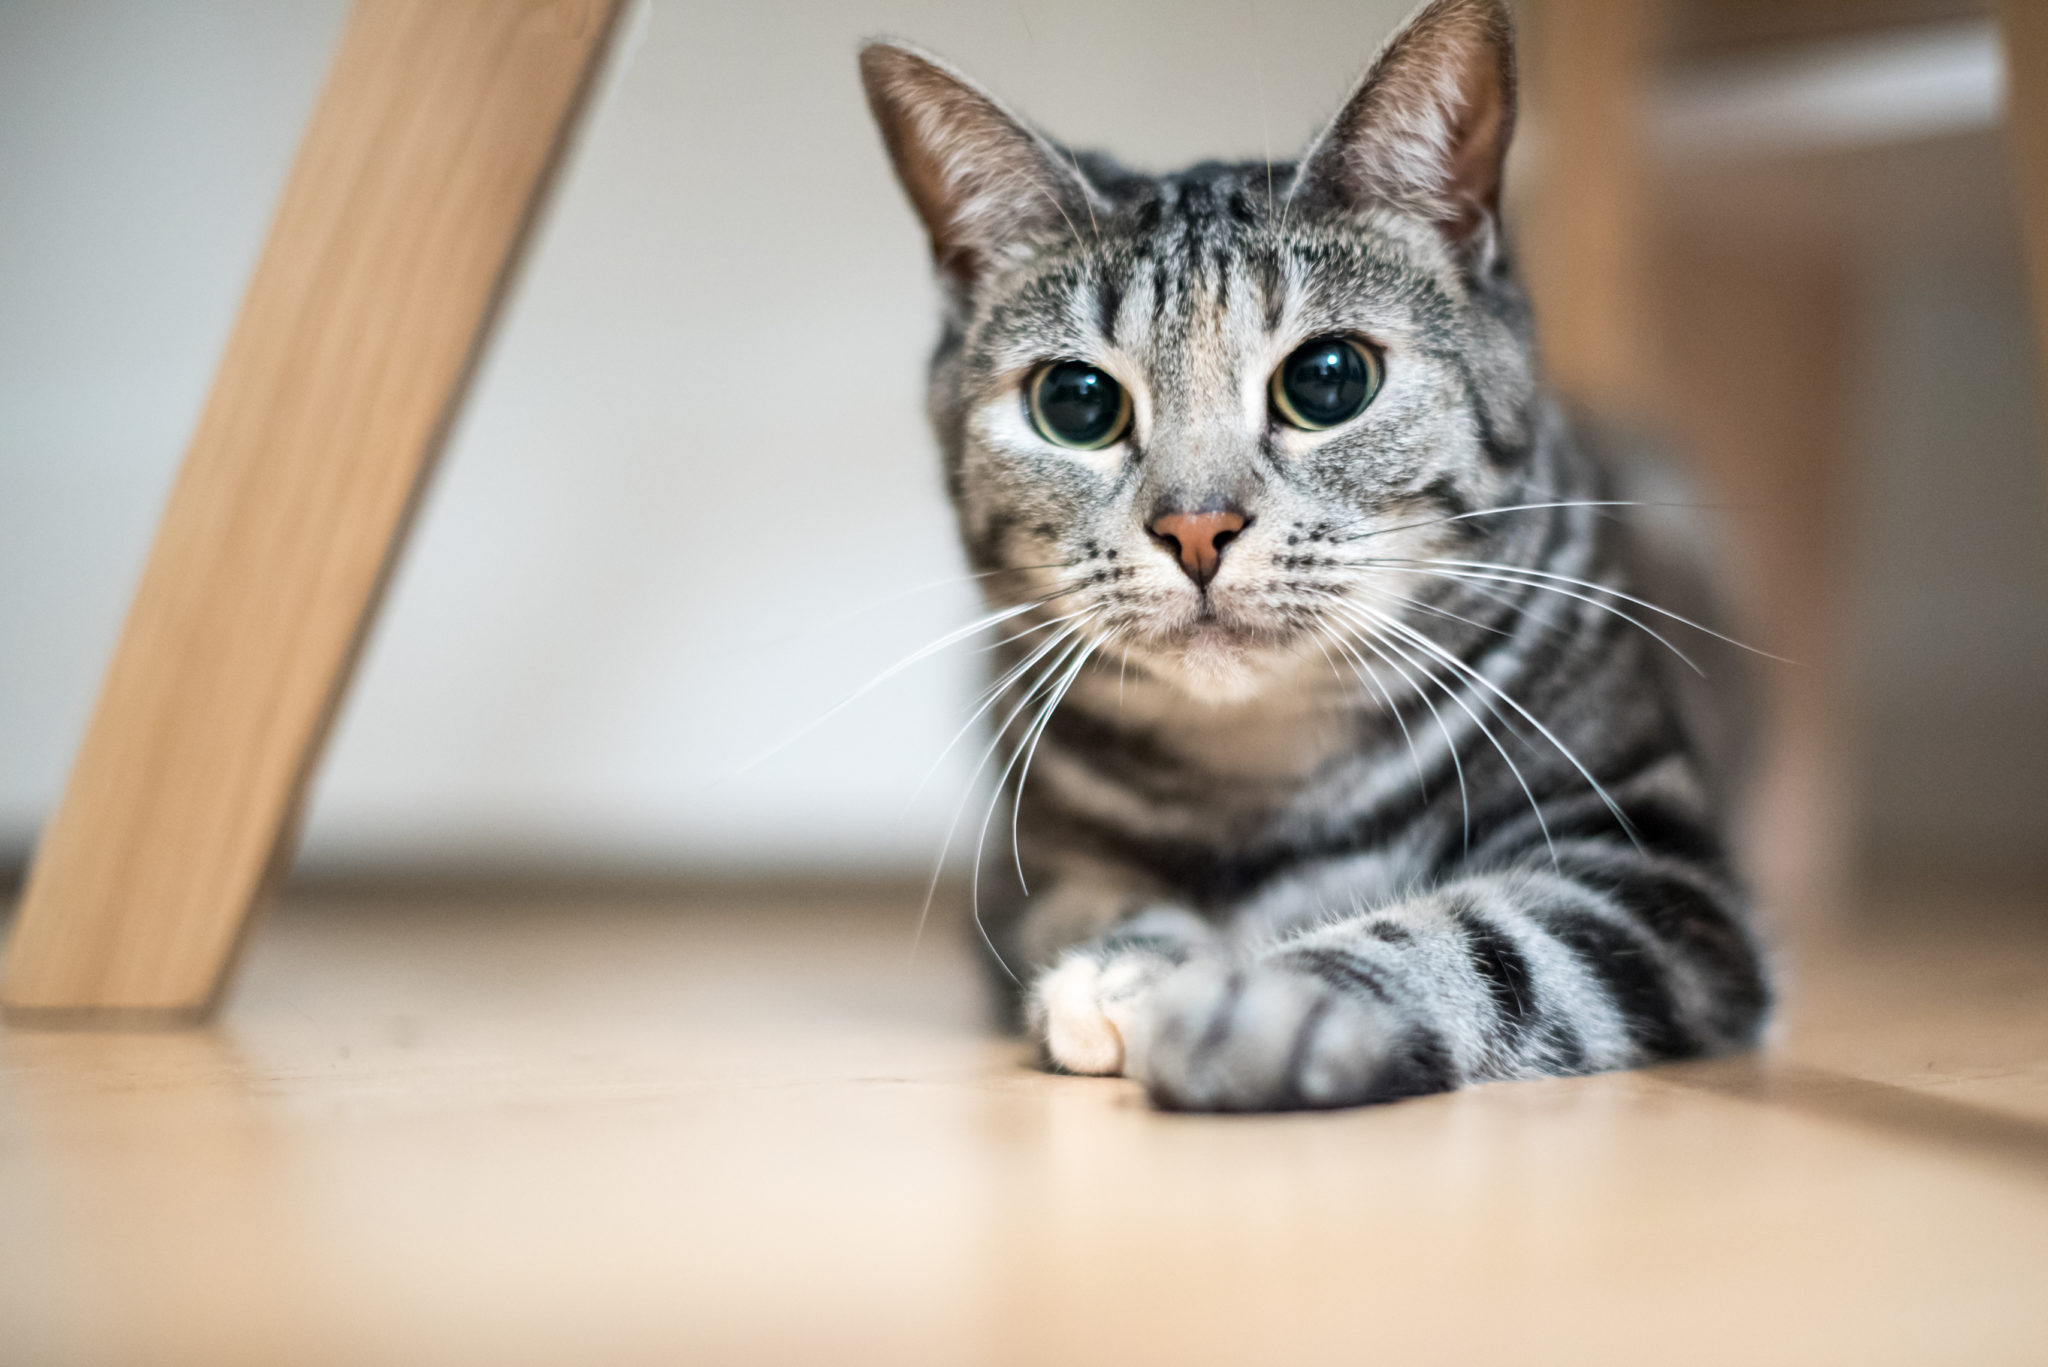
<point x="1353" y="772"/>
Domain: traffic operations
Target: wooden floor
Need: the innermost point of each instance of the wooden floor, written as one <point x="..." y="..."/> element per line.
<point x="615" y="1130"/>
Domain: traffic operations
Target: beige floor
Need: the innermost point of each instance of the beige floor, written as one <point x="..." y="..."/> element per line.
<point x="612" y="1130"/>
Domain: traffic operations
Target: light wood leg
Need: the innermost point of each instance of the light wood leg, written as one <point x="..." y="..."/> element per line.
<point x="432" y="145"/>
<point x="2023" y="29"/>
<point x="1586" y="62"/>
<point x="1739" y="350"/>
<point x="1759" y="345"/>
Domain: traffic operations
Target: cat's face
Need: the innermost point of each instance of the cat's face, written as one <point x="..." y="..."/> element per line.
<point x="1186" y="409"/>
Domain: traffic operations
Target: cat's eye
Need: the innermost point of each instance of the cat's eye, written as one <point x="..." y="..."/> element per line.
<point x="1325" y="382"/>
<point x="1075" y="405"/>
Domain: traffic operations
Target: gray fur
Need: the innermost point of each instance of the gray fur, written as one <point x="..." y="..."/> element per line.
<point x="1342" y="826"/>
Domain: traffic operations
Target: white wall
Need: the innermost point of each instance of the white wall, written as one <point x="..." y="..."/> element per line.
<point x="697" y="438"/>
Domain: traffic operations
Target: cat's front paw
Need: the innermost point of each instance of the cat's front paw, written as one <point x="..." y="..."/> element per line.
<point x="1265" y="1037"/>
<point x="1082" y="1007"/>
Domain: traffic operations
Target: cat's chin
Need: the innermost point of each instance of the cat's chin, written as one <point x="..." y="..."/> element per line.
<point x="1220" y="667"/>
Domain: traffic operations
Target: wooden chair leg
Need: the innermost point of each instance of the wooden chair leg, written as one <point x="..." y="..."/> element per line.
<point x="432" y="145"/>
<point x="1587" y="63"/>
<point x="1758" y="341"/>
<point x="2023" y="30"/>
<point x="1740" y="355"/>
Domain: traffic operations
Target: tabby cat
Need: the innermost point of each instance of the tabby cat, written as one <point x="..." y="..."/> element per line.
<point x="1353" y="769"/>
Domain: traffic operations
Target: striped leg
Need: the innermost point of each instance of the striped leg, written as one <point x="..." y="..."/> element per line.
<point x="1607" y="959"/>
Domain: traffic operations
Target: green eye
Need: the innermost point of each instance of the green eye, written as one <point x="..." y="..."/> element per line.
<point x="1077" y="406"/>
<point x="1325" y="382"/>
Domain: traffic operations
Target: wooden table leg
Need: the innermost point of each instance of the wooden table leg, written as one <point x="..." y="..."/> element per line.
<point x="1737" y="350"/>
<point x="433" y="143"/>
<point x="2023" y="30"/>
<point x="1587" y="65"/>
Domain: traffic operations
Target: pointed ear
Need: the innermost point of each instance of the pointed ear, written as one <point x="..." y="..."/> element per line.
<point x="979" y="177"/>
<point x="1428" y="128"/>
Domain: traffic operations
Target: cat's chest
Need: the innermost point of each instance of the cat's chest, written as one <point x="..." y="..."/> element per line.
<point x="1219" y="776"/>
<point x="1275" y="743"/>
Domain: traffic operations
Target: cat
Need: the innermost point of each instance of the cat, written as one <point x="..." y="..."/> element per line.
<point x="1346" y="769"/>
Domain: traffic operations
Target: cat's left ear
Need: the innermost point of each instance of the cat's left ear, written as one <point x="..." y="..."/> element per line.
<point x="980" y="178"/>
<point x="1427" y="130"/>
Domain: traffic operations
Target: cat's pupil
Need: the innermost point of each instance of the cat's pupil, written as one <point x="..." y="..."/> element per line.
<point x="1077" y="405"/>
<point x="1324" y="382"/>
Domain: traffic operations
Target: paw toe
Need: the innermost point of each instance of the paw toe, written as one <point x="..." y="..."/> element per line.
<point x="1253" y="1039"/>
<point x="1078" y="1033"/>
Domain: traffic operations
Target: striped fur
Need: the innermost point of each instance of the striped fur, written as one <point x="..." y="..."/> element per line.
<point x="1403" y="798"/>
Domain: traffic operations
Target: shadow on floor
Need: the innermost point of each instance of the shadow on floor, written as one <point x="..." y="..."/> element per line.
<point x="1898" y="1112"/>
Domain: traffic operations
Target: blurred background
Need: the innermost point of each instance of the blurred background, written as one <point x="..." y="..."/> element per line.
<point x="692" y="505"/>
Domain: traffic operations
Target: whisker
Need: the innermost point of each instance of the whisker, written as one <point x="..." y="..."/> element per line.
<point x="1423" y="642"/>
<point x="993" y="694"/>
<point x="1415" y="756"/>
<point x="1507" y="759"/>
<point x="1054" y="200"/>
<point x="1069" y="666"/>
<point x="1044" y="720"/>
<point x="873" y="605"/>
<point x="1597" y="588"/>
<point x="1259" y="84"/>
<point x="1510" y="508"/>
<point x="1361" y="615"/>
<point x="1468" y="576"/>
<point x="950" y="639"/>
<point x="939" y="864"/>
<point x="1035" y="628"/>
<point x="1435" y="611"/>
<point x="1450" y="741"/>
<point x="1315" y="635"/>
<point x="1086" y="198"/>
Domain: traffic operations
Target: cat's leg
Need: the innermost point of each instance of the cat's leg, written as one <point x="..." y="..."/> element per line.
<point x="1089" y="947"/>
<point x="1607" y="960"/>
<point x="1081" y="1007"/>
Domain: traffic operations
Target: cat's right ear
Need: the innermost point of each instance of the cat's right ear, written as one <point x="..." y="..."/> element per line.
<point x="980" y="179"/>
<point x="1428" y="128"/>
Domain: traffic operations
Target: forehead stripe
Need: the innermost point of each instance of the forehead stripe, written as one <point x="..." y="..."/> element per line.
<point x="1273" y="285"/>
<point x="1109" y="301"/>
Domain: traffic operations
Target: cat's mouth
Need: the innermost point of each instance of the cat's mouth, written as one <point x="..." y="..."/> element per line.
<point x="1215" y="652"/>
<point x="1218" y="617"/>
<point x="1219" y="661"/>
<point x="1211" y="619"/>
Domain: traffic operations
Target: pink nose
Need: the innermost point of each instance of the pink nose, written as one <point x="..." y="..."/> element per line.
<point x="1197" y="539"/>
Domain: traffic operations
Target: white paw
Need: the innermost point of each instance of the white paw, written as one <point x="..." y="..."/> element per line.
<point x="1084" y="1008"/>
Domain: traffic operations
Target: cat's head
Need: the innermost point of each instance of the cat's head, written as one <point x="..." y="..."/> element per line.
<point x="1186" y="407"/>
